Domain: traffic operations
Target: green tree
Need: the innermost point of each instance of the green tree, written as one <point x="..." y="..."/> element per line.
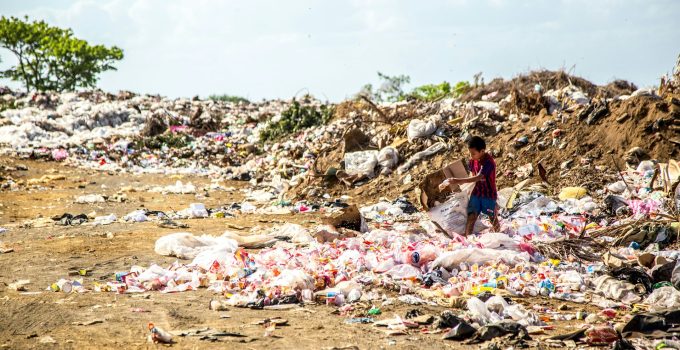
<point x="391" y="88"/>
<point x="51" y="58"/>
<point x="431" y="92"/>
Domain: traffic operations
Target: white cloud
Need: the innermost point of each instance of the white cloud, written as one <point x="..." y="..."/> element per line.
<point x="269" y="48"/>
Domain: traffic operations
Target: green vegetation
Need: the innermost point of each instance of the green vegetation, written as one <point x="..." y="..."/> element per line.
<point x="431" y="92"/>
<point x="51" y="58"/>
<point x="392" y="90"/>
<point x="179" y="140"/>
<point x="228" y="98"/>
<point x="294" y="119"/>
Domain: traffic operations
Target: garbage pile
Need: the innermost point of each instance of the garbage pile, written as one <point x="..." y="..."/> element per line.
<point x="142" y="133"/>
<point x="589" y="205"/>
<point x="544" y="122"/>
<point x="565" y="247"/>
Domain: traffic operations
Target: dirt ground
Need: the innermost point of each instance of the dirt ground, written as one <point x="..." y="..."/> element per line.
<point x="45" y="254"/>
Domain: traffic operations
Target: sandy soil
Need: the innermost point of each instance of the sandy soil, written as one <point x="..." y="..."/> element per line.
<point x="45" y="254"/>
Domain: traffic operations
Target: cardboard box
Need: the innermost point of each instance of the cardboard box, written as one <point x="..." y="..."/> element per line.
<point x="429" y="187"/>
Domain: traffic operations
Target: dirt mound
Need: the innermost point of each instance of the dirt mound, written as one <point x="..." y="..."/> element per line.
<point x="617" y="88"/>
<point x="581" y="145"/>
<point x="549" y="80"/>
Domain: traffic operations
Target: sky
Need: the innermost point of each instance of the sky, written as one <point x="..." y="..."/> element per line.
<point x="279" y="49"/>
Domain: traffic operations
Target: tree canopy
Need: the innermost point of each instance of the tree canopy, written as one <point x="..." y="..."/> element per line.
<point x="51" y="58"/>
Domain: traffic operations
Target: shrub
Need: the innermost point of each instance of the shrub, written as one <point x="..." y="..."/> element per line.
<point x="228" y="98"/>
<point x="294" y="119"/>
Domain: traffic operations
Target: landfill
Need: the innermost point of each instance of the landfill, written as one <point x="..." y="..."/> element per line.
<point x="121" y="205"/>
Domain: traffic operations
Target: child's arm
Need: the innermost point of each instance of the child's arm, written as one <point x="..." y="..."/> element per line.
<point x="461" y="180"/>
<point x="464" y="180"/>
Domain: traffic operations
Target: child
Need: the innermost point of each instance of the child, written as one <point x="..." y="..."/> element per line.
<point x="484" y="195"/>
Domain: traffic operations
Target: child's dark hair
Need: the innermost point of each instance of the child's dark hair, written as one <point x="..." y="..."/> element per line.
<point x="477" y="143"/>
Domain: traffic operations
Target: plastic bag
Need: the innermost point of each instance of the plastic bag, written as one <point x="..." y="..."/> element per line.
<point x="452" y="214"/>
<point x="496" y="304"/>
<point x="136" y="216"/>
<point x="540" y="205"/>
<point x="612" y="288"/>
<point x="496" y="240"/>
<point x="617" y="187"/>
<point x="572" y="193"/>
<point x="404" y="271"/>
<point x="664" y="298"/>
<point x="419" y="128"/>
<point x="195" y="210"/>
<point x="453" y="259"/>
<point x="105" y="220"/>
<point x="388" y="159"/>
<point x="361" y="163"/>
<point x="294" y="280"/>
<point x="90" y="198"/>
<point x="184" y="245"/>
<point x="645" y="166"/>
<point x="178" y="187"/>
<point x="571" y="279"/>
<point x="260" y="196"/>
<point x="480" y="313"/>
<point x="437" y="147"/>
<point x="523" y="316"/>
<point x="601" y="335"/>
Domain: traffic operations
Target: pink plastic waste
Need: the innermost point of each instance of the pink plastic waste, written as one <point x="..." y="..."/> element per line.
<point x="59" y="154"/>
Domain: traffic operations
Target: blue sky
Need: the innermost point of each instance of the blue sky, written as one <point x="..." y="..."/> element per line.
<point x="269" y="48"/>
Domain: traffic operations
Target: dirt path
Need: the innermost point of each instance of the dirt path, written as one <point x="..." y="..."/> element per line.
<point x="45" y="254"/>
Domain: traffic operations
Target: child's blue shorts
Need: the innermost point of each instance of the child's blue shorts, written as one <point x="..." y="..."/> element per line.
<point x="480" y="205"/>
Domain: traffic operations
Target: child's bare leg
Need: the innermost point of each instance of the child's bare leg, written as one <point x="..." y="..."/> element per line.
<point x="495" y="222"/>
<point x="470" y="224"/>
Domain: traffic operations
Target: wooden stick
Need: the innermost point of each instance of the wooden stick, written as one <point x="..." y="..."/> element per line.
<point x="374" y="107"/>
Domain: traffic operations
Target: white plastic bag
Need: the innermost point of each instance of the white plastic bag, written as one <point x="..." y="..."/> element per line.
<point x="453" y="259"/>
<point x="361" y="163"/>
<point x="480" y="313"/>
<point x="136" y="216"/>
<point x="496" y="304"/>
<point x="184" y="245"/>
<point x="388" y="158"/>
<point x="105" y="220"/>
<point x="664" y="298"/>
<point x="90" y="198"/>
<point x="612" y="288"/>
<point x="294" y="280"/>
<point x="452" y="214"/>
<point x="419" y="128"/>
<point x="195" y="210"/>
<point x="404" y="271"/>
<point x="498" y="240"/>
<point x="523" y="316"/>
